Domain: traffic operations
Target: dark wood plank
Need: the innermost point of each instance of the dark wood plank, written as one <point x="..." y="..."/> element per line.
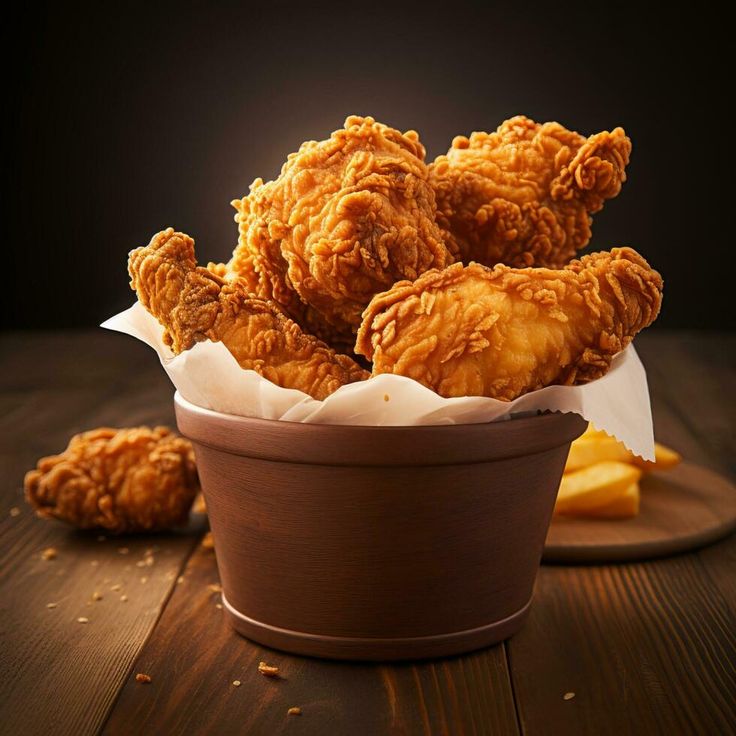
<point x="73" y="359"/>
<point x="193" y="658"/>
<point x="719" y="564"/>
<point x="700" y="393"/>
<point x="646" y="648"/>
<point x="695" y="374"/>
<point x="56" y="673"/>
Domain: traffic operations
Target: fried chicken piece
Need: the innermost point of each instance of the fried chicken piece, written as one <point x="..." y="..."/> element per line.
<point x="122" y="480"/>
<point x="346" y="218"/>
<point x="194" y="304"/>
<point x="523" y="195"/>
<point x="475" y="331"/>
<point x="264" y="271"/>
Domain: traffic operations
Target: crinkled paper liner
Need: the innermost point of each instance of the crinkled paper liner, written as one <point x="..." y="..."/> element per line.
<point x="209" y="376"/>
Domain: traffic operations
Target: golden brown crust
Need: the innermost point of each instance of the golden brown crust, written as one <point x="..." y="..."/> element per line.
<point x="346" y="218"/>
<point x="503" y="332"/>
<point x="523" y="195"/>
<point x="270" y="285"/>
<point x="195" y="304"/>
<point x="122" y="480"/>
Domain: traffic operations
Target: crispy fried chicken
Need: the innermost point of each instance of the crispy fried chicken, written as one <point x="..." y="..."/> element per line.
<point x="475" y="331"/>
<point x="195" y="304"/>
<point x="347" y="217"/>
<point x="524" y="195"/>
<point x="122" y="480"/>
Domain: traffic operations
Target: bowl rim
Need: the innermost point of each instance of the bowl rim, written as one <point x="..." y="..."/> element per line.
<point x="385" y="445"/>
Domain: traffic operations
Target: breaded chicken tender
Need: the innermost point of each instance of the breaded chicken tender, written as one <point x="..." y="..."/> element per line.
<point x="475" y="331"/>
<point x="524" y="195"/>
<point x="195" y="304"/>
<point x="346" y="218"/>
<point x="122" y="480"/>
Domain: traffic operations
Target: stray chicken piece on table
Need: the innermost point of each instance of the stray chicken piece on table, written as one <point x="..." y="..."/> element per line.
<point x="123" y="480"/>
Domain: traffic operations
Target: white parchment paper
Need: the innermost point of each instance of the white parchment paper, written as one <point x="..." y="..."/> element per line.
<point x="209" y="376"/>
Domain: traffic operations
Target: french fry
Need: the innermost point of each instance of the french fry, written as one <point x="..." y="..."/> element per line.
<point x="591" y="431"/>
<point x="595" y="486"/>
<point x="624" y="506"/>
<point x="591" y="449"/>
<point x="664" y="458"/>
<point x="601" y="476"/>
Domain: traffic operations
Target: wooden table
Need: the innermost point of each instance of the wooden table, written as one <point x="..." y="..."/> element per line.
<point x="646" y="648"/>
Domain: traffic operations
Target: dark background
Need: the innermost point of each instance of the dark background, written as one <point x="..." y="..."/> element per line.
<point x="124" y="122"/>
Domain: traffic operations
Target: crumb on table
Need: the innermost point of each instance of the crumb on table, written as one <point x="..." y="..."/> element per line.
<point x="49" y="553"/>
<point x="268" y="670"/>
<point x="142" y="677"/>
<point x="148" y="560"/>
<point x="294" y="711"/>
<point x="568" y="696"/>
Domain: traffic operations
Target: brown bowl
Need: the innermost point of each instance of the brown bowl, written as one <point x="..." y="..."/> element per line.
<point x="378" y="543"/>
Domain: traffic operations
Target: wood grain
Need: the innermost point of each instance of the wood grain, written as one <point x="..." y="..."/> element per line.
<point x="694" y="374"/>
<point x="647" y="648"/>
<point x="193" y="657"/>
<point x="681" y="509"/>
<point x="697" y="415"/>
<point x="57" y="674"/>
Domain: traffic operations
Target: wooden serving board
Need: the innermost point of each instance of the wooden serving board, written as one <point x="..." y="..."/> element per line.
<point x="681" y="509"/>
